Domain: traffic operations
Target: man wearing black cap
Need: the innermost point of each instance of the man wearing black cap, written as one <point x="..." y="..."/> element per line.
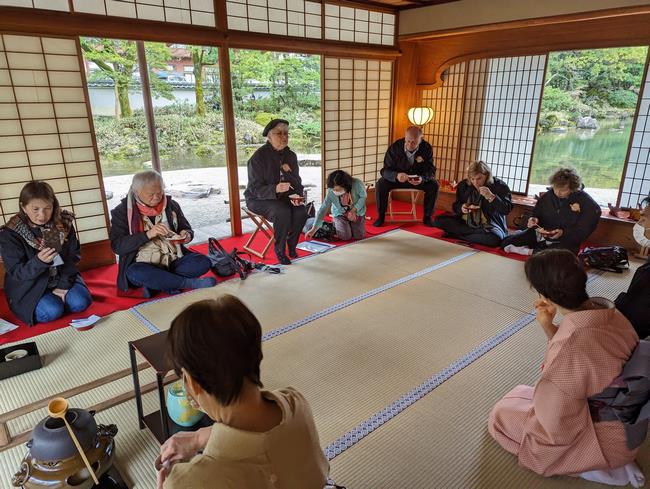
<point x="408" y="164"/>
<point x="272" y="178"/>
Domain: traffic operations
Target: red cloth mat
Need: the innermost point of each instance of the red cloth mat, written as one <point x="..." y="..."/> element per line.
<point x="102" y="284"/>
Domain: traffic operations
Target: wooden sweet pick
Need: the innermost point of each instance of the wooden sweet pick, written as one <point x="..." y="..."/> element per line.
<point x="57" y="408"/>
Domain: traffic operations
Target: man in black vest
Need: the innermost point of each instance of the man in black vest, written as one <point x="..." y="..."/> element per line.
<point x="408" y="164"/>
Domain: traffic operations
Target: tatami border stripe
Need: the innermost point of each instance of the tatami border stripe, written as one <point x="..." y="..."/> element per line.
<point x="366" y="427"/>
<point x="353" y="300"/>
<point x="144" y="320"/>
<point x="306" y="257"/>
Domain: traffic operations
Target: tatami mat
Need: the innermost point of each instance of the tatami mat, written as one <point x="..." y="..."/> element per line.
<point x="442" y="440"/>
<point x="318" y="282"/>
<point x="72" y="358"/>
<point x="349" y="364"/>
<point x="492" y="277"/>
<point x="611" y="283"/>
<point x="355" y="361"/>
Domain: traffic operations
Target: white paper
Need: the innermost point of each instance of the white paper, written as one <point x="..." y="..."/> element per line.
<point x="315" y="246"/>
<point x="6" y="326"/>
<point x="85" y="322"/>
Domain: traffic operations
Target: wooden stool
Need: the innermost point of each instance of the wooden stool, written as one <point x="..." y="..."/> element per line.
<point x="412" y="213"/>
<point x="263" y="226"/>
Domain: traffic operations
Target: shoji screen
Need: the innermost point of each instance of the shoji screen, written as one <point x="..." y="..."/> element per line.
<point x="61" y="5"/>
<point x="636" y="184"/>
<point x="487" y="109"/>
<point x="298" y="18"/>
<point x="512" y="99"/>
<point x="444" y="130"/>
<point x="196" y="12"/>
<point x="357" y="99"/>
<point x="344" y="23"/>
<point x="473" y="115"/>
<point x="45" y="129"/>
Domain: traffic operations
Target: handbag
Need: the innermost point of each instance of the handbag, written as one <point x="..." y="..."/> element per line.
<point x="225" y="264"/>
<point x="608" y="258"/>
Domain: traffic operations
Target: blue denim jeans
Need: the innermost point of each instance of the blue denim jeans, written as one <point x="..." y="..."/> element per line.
<point x="192" y="265"/>
<point x="51" y="307"/>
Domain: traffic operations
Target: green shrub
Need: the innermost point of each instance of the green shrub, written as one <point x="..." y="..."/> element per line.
<point x="263" y="118"/>
<point x="622" y="99"/>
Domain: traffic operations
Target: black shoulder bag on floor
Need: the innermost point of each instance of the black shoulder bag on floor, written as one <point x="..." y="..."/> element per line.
<point x="225" y="264"/>
<point x="608" y="258"/>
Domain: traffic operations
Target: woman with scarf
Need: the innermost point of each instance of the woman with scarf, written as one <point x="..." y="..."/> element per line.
<point x="480" y="210"/>
<point x="148" y="232"/>
<point x="40" y="252"/>
<point x="346" y="196"/>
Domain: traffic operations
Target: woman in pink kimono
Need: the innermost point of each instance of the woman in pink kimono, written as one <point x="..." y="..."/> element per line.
<point x="549" y="427"/>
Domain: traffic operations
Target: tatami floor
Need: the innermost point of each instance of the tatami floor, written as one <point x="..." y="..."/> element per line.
<point x="402" y="343"/>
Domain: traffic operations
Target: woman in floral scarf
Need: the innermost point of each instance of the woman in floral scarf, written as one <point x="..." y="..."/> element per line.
<point x="40" y="251"/>
<point x="148" y="232"/>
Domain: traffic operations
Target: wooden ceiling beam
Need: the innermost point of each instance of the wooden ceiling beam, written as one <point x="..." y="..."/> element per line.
<point x="524" y="23"/>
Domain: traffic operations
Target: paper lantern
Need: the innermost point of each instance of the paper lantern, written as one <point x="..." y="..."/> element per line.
<point x="420" y="116"/>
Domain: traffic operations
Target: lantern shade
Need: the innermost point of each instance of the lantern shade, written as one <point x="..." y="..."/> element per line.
<point x="420" y="115"/>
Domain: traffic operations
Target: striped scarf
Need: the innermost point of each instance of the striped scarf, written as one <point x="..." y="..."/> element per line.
<point x="21" y="226"/>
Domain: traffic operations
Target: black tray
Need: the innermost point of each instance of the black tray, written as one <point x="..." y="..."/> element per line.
<point x="20" y="365"/>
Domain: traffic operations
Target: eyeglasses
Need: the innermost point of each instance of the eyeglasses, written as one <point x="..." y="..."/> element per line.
<point x="190" y="399"/>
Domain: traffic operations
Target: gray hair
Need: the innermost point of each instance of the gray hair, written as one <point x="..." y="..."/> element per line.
<point x="145" y="178"/>
<point x="280" y="125"/>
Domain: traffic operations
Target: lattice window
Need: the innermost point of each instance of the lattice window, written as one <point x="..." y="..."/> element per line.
<point x="46" y="131"/>
<point x="297" y="18"/>
<point x="470" y="144"/>
<point x="444" y="130"/>
<point x="357" y="98"/>
<point x="196" y="12"/>
<point x="359" y="25"/>
<point x="61" y="5"/>
<point x="636" y="184"/>
<point x="510" y="109"/>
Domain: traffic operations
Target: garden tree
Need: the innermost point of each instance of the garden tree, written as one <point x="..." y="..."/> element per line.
<point x="292" y="79"/>
<point x="597" y="78"/>
<point x="201" y="57"/>
<point x="118" y="61"/>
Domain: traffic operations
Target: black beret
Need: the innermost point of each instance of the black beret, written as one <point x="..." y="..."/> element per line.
<point x="272" y="124"/>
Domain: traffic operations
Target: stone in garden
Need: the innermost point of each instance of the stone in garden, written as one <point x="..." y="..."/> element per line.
<point x="587" y="123"/>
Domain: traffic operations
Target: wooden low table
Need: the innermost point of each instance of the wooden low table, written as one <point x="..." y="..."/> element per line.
<point x="153" y="350"/>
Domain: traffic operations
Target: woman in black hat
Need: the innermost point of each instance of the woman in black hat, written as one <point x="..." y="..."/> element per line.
<point x="274" y="189"/>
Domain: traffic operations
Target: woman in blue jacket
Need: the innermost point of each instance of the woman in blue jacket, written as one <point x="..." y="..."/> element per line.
<point x="346" y="196"/>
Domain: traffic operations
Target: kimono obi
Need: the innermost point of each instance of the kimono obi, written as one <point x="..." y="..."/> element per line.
<point x="627" y="398"/>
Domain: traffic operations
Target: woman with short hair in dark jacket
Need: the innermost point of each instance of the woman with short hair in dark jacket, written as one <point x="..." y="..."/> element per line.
<point x="40" y="251"/>
<point x="149" y="233"/>
<point x="481" y="206"/>
<point x="564" y="217"/>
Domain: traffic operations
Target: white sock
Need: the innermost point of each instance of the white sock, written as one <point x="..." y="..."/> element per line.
<point x="520" y="250"/>
<point x="622" y="476"/>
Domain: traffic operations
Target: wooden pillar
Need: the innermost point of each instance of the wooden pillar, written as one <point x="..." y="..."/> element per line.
<point x="405" y="88"/>
<point x="148" y="106"/>
<point x="230" y="140"/>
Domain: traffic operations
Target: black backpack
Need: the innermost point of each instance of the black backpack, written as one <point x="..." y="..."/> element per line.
<point x="225" y="264"/>
<point x="608" y="258"/>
